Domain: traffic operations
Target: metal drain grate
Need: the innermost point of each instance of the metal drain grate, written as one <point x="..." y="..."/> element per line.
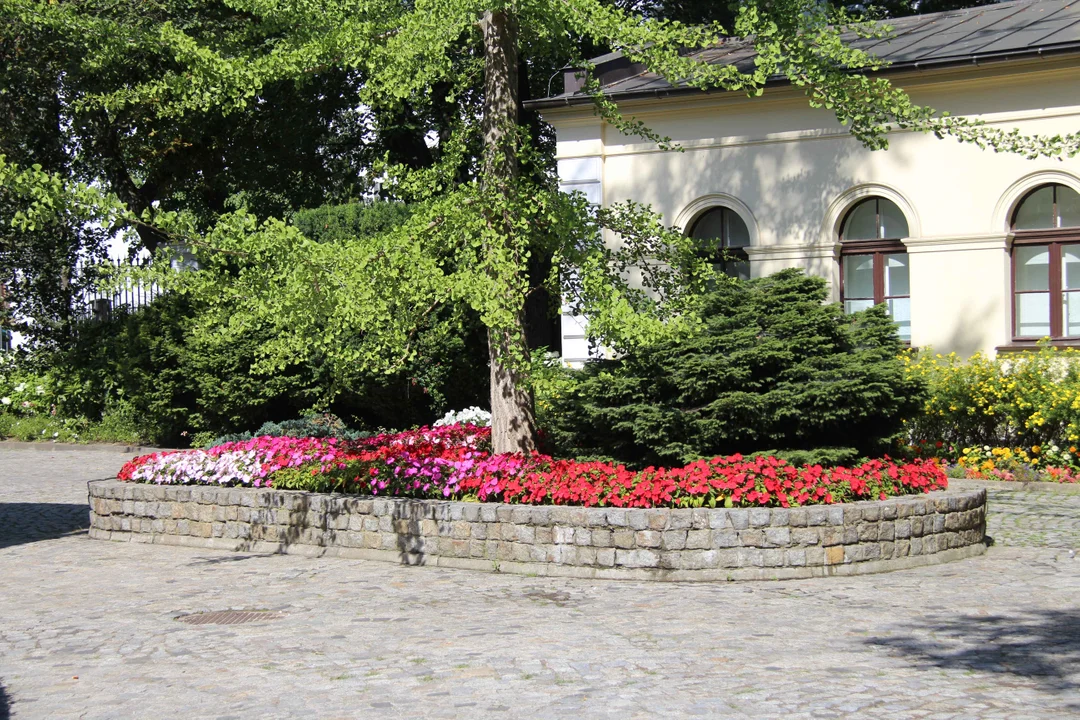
<point x="230" y="617"/>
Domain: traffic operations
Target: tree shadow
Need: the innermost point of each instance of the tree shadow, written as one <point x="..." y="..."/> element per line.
<point x="29" y="522"/>
<point x="323" y="513"/>
<point x="1041" y="646"/>
<point x="5" y="704"/>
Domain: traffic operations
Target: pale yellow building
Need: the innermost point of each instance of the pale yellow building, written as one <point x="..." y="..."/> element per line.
<point x="971" y="250"/>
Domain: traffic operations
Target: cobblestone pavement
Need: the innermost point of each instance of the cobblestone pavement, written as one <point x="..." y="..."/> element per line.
<point x="88" y="629"/>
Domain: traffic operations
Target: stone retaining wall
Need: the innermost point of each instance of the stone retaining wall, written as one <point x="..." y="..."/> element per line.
<point x="659" y="544"/>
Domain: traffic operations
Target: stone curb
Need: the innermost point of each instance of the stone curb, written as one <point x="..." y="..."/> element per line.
<point x="966" y="484"/>
<point x="671" y="544"/>
<point x="46" y="446"/>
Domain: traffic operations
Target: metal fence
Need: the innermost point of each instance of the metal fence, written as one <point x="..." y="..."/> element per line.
<point x="99" y="304"/>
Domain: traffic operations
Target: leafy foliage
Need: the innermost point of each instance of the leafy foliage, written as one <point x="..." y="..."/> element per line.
<point x="773" y="367"/>
<point x="1023" y="400"/>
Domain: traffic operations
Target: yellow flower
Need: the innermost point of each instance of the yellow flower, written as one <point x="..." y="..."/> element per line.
<point x="1035" y="449"/>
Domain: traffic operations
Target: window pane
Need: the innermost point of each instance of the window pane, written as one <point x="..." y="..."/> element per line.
<point x="859" y="276"/>
<point x="1072" y="314"/>
<point x="851" y="306"/>
<point x="893" y="222"/>
<point x="1032" y="267"/>
<point x="1070" y="267"/>
<point x="1036" y="212"/>
<point x="861" y="222"/>
<point x="896" y="275"/>
<point x="738" y="234"/>
<point x="1033" y="315"/>
<point x="900" y="312"/>
<point x="709" y="226"/>
<point x="1068" y="202"/>
<point x="737" y="269"/>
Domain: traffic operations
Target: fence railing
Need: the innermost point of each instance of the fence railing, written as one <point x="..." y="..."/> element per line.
<point x="99" y="304"/>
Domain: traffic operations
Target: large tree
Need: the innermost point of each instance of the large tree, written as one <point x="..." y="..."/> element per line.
<point x="489" y="205"/>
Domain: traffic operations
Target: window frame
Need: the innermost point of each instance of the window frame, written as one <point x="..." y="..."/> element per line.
<point x="727" y="255"/>
<point x="877" y="248"/>
<point x="1053" y="239"/>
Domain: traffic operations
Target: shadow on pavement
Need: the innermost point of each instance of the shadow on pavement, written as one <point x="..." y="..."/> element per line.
<point x="5" y="704"/>
<point x="1041" y="646"/>
<point x="22" y="523"/>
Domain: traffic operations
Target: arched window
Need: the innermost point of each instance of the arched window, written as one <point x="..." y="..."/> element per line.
<point x="874" y="261"/>
<point x="1046" y="264"/>
<point x="723" y="237"/>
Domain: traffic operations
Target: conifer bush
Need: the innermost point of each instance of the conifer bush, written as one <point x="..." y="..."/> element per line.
<point x="774" y="369"/>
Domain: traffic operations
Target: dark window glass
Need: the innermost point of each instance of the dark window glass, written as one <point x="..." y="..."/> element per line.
<point x="723" y="237"/>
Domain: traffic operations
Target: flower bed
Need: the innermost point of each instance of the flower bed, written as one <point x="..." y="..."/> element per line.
<point x="454" y="462"/>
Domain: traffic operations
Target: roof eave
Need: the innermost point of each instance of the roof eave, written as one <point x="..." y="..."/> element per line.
<point x="937" y="63"/>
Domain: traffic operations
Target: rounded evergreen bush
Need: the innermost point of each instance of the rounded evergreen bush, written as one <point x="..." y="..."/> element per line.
<point x="775" y="368"/>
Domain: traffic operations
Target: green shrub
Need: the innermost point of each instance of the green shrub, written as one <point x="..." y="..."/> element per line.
<point x="1023" y="400"/>
<point x="774" y="368"/>
<point x="320" y="425"/>
<point x="342" y="222"/>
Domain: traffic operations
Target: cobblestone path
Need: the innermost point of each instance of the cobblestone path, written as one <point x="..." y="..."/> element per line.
<point x="88" y="629"/>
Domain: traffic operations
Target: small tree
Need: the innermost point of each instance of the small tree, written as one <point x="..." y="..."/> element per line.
<point x="480" y="228"/>
<point x="773" y="368"/>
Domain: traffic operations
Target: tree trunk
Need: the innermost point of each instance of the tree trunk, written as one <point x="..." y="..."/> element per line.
<point x="513" y="424"/>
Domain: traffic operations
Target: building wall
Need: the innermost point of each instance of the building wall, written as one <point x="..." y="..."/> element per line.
<point x="792" y="172"/>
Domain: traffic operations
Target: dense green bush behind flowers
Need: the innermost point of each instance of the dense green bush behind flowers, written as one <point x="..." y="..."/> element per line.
<point x="1023" y="400"/>
<point x="776" y="368"/>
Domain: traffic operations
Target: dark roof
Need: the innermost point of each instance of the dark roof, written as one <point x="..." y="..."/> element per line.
<point x="992" y="32"/>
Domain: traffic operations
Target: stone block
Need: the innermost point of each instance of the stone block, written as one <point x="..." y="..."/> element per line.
<point x="698" y="539"/>
<point x="835" y="555"/>
<point x="780" y="517"/>
<point x="952" y="521"/>
<point x="488" y="513"/>
<point x="637" y="519"/>
<point x="752" y="538"/>
<point x="852" y="514"/>
<point x="637" y="558"/>
<point x="868" y="532"/>
<point x="817" y="515"/>
<point x="796" y="558"/>
<point x="739" y="518"/>
<point x="521" y="516"/>
<point x="886" y="530"/>
<point x="750" y="557"/>
<point x="658" y="519"/>
<point x="888" y="511"/>
<point x="479" y="531"/>
<point x="759" y="517"/>
<point x="805" y="536"/>
<point x="725" y="538"/>
<point x="617" y="518"/>
<point x="773" y="558"/>
<point x="815" y="556"/>
<point x="832" y="536"/>
<point x="586" y="556"/>
<point x="582" y="536"/>
<point x="836" y="515"/>
<point x="902" y="529"/>
<point x="797" y="517"/>
<point x="562" y="534"/>
<point x="596" y="517"/>
<point x="888" y="549"/>
<point x="624" y="538"/>
<point x="673" y="539"/>
<point x="605" y="557"/>
<point x="525" y="533"/>
<point x="461" y="530"/>
<point x="939" y="524"/>
<point x="855" y="553"/>
<point x="601" y="538"/>
<point x="647" y="538"/>
<point x="778" y="536"/>
<point x="679" y="519"/>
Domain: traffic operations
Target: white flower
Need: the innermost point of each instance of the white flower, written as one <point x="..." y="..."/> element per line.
<point x="5" y="401"/>
<point x="40" y="390"/>
<point x="986" y="448"/>
<point x="56" y="434"/>
<point x="20" y="387"/>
